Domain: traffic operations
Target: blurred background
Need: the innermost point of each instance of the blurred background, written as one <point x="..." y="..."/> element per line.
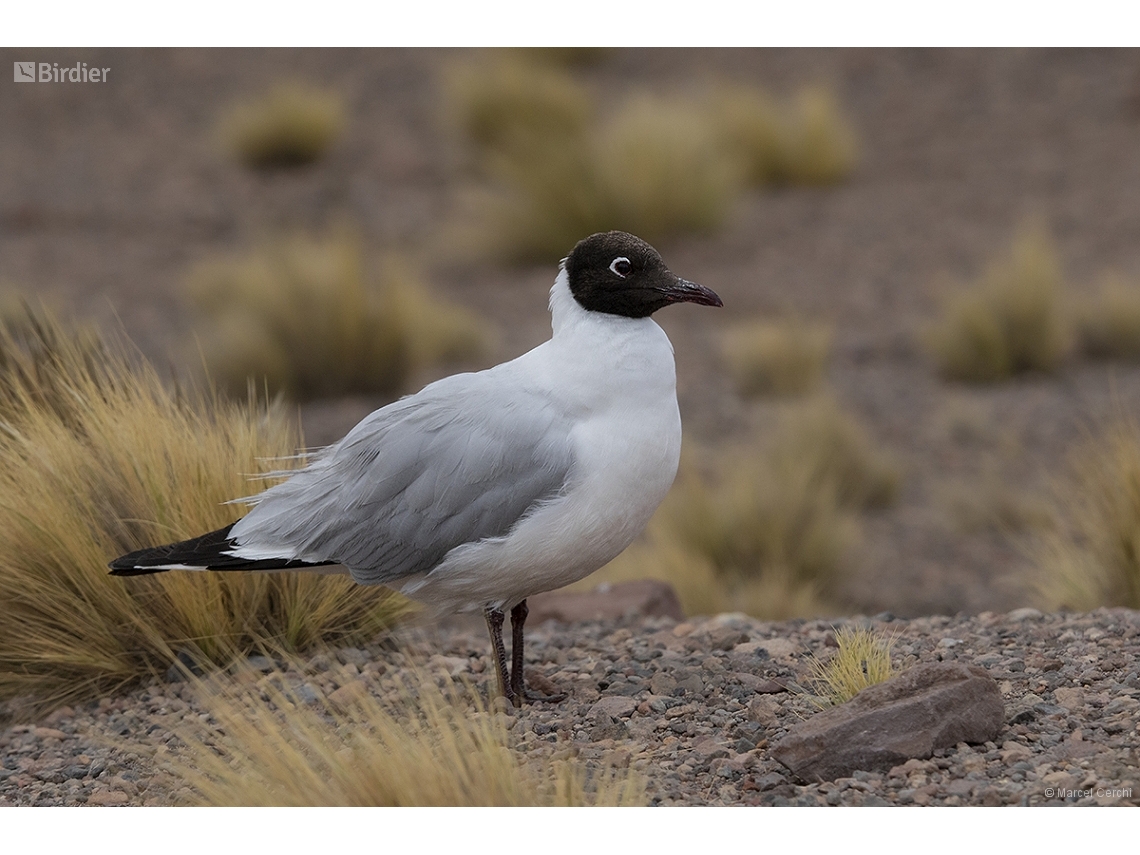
<point x="918" y="397"/>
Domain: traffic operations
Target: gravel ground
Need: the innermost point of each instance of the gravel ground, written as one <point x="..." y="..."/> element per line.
<point x="695" y="707"/>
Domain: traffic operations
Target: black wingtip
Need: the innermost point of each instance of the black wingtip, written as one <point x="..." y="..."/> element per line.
<point x="210" y="551"/>
<point x="128" y="570"/>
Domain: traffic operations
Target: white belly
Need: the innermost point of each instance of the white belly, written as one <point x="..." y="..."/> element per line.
<point x="621" y="475"/>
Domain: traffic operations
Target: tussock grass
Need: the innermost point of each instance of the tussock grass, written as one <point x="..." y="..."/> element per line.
<point x="987" y="503"/>
<point x="833" y="447"/>
<point x="785" y="357"/>
<point x="291" y="125"/>
<point x="768" y="534"/>
<point x="1109" y="326"/>
<point x="862" y="658"/>
<point x="1012" y="321"/>
<point x="508" y="101"/>
<point x="302" y="316"/>
<point x="654" y="169"/>
<point x="427" y="747"/>
<point x="804" y="141"/>
<point x="662" y="169"/>
<point x="658" y="166"/>
<point x="1090" y="557"/>
<point x="98" y="457"/>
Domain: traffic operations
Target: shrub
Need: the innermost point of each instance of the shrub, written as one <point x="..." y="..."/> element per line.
<point x="662" y="170"/>
<point x="777" y="358"/>
<point x="833" y="447"/>
<point x="421" y="746"/>
<point x="654" y="170"/>
<point x="291" y="125"/>
<point x="862" y="658"/>
<point x="1090" y="557"/>
<point x="1109" y="326"/>
<point x="502" y="102"/>
<point x="98" y="458"/>
<point x="656" y="166"/>
<point x="302" y="316"/>
<point x="806" y="141"/>
<point x="1010" y="322"/>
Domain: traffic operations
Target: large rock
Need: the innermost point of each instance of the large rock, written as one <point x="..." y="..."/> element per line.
<point x="912" y="715"/>
<point x="643" y="598"/>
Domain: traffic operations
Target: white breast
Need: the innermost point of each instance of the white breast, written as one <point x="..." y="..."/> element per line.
<point x="616" y="379"/>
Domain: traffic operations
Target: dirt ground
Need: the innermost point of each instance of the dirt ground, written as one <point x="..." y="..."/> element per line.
<point x="110" y="193"/>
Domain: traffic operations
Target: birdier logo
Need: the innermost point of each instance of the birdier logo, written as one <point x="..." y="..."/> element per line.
<point x="50" y="72"/>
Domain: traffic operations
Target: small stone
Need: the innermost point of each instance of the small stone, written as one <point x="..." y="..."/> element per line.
<point x="617" y="706"/>
<point x="261" y="663"/>
<point x="48" y="733"/>
<point x="1024" y="614"/>
<point x="352" y="656"/>
<point x="1070" y="699"/>
<point x="662" y="684"/>
<point x="931" y="706"/>
<point x="349" y="693"/>
<point x="307" y="693"/>
<point x="727" y="637"/>
<point x="108" y="798"/>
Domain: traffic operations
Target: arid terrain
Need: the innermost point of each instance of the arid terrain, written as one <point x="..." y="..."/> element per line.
<point x="112" y="192"/>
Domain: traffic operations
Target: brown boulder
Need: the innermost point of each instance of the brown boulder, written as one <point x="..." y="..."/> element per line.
<point x="931" y="706"/>
<point x="643" y="598"/>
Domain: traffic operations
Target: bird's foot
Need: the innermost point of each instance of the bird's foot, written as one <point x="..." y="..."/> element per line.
<point x="520" y="694"/>
<point x="526" y="696"/>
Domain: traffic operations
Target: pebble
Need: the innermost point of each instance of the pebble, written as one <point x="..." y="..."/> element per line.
<point x="693" y="707"/>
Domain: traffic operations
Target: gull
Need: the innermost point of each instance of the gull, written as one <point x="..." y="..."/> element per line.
<point x="486" y="488"/>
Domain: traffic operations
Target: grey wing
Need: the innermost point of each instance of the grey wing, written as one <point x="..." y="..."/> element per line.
<point x="415" y="480"/>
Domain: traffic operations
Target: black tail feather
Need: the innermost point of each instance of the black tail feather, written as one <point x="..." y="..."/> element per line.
<point x="208" y="551"/>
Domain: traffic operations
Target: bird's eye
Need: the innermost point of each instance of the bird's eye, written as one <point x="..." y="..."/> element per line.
<point x="621" y="266"/>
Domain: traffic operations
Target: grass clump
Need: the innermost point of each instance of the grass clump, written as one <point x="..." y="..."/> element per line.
<point x="1090" y="556"/>
<point x="653" y="169"/>
<point x="419" y="746"/>
<point x="302" y="316"/>
<point x="1109" y="326"/>
<point x="777" y="358"/>
<point x="805" y="141"/>
<point x="862" y="658"/>
<point x="97" y="458"/>
<point x="658" y="166"/>
<point x="1010" y="322"/>
<point x="768" y="535"/>
<point x="504" y="102"/>
<point x="291" y="125"/>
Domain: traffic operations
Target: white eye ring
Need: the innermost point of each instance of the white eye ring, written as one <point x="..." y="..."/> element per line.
<point x="621" y="259"/>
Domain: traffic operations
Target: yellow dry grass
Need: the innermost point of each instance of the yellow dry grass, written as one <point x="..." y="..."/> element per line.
<point x="291" y="125"/>
<point x="806" y="140"/>
<point x="1090" y="557"/>
<point x="1108" y="327"/>
<point x="785" y="357"/>
<point x="653" y="169"/>
<point x="862" y="658"/>
<point x="97" y="458"/>
<point x="508" y="101"/>
<point x="655" y="165"/>
<point x="427" y="745"/>
<point x="767" y="535"/>
<point x="1012" y="321"/>
<point x="303" y="316"/>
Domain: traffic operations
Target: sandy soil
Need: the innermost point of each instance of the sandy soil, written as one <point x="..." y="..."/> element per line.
<point x="110" y="193"/>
